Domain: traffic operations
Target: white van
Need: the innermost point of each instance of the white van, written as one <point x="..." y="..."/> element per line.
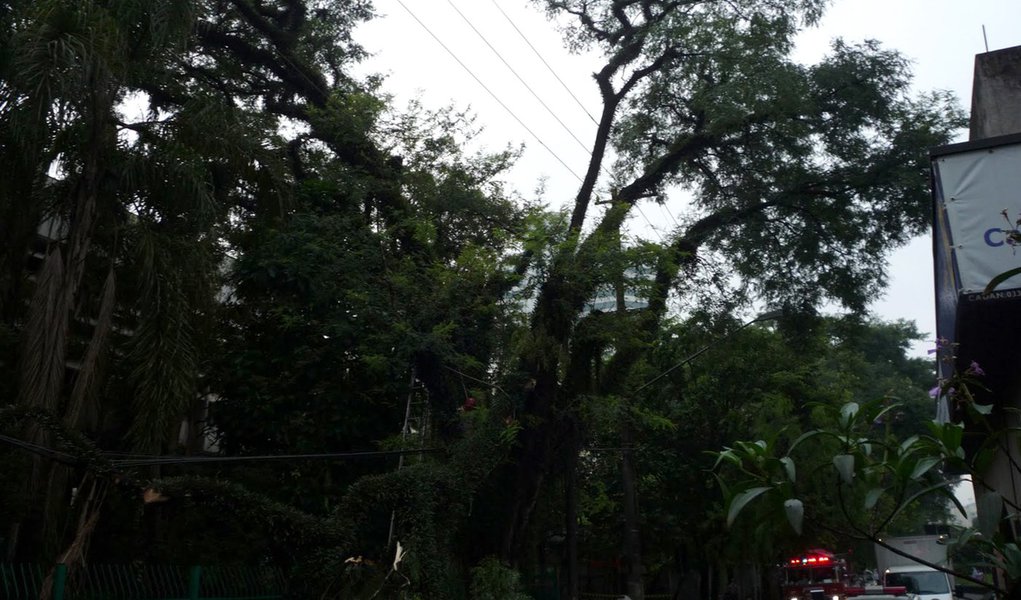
<point x="925" y="582"/>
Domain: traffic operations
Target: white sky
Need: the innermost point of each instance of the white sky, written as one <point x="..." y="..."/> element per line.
<point x="940" y="36"/>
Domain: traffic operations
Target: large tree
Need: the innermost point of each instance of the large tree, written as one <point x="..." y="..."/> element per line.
<point x="137" y="135"/>
<point x="783" y="390"/>
<point x="235" y="214"/>
<point x="121" y="212"/>
<point x="800" y="179"/>
<point x="232" y="215"/>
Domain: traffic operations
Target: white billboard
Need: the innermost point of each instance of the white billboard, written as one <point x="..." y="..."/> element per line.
<point x="982" y="198"/>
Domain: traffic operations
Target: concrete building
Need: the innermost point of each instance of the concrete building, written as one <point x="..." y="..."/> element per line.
<point x="976" y="235"/>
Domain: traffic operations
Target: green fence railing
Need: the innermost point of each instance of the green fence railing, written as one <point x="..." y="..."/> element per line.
<point x="143" y="582"/>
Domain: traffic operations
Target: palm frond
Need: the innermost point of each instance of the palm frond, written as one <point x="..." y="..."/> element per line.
<point x="162" y="352"/>
<point x="80" y="407"/>
<point x="42" y="371"/>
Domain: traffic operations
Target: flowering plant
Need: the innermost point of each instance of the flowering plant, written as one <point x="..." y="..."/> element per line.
<point x="1013" y="239"/>
<point x="956" y="388"/>
<point x="877" y="476"/>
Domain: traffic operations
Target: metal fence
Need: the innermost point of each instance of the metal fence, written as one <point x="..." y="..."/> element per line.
<point x="143" y="582"/>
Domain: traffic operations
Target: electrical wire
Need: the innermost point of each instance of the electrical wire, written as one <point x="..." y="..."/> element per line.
<point x="529" y="88"/>
<point x="642" y="212"/>
<point x="490" y="92"/>
<point x="579" y="103"/>
<point x="142" y="460"/>
<point x="476" y="379"/>
<point x="521" y="79"/>
<point x="670" y="214"/>
<point x="51" y="453"/>
<point x="182" y="460"/>
<point x="548" y="67"/>
<point x="767" y="316"/>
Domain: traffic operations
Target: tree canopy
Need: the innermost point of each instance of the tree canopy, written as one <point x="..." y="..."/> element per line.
<point x="217" y="239"/>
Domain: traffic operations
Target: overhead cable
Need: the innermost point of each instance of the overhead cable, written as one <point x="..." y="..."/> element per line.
<point x="140" y="460"/>
<point x="511" y="112"/>
<point x="548" y="67"/>
<point x="476" y="379"/>
<point x="568" y="89"/>
<point x="490" y="92"/>
<point x="523" y="82"/>
<point x="56" y="455"/>
<point x="670" y="214"/>
<point x="642" y="212"/>
<point x="181" y="460"/>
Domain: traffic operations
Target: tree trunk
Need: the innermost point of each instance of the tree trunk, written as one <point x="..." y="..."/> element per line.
<point x="571" y="514"/>
<point x="632" y="531"/>
<point x="74" y="555"/>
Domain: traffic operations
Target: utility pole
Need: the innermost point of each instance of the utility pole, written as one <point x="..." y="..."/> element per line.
<point x="406" y="430"/>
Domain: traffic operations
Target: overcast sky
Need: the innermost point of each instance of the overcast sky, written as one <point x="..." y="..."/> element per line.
<point x="941" y="37"/>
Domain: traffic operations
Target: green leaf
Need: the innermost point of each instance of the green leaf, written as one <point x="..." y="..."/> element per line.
<point x="788" y="465"/>
<point x="996" y="281"/>
<point x="885" y="410"/>
<point x="872" y="497"/>
<point x="956" y="501"/>
<point x="752" y="449"/>
<point x="983" y="459"/>
<point x="845" y="466"/>
<point x="724" y="488"/>
<point x="847" y="412"/>
<point x="908" y="443"/>
<point x="727" y="455"/>
<point x="1011" y="560"/>
<point x="965" y="537"/>
<point x="923" y="466"/>
<point x="805" y="436"/>
<point x="910" y="499"/>
<point x="741" y="500"/>
<point x="990" y="507"/>
<point x="795" y="511"/>
<point x="951" y="435"/>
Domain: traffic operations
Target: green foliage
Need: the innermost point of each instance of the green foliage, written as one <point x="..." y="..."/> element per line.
<point x="431" y="503"/>
<point x="751" y="380"/>
<point x="880" y="476"/>
<point x="810" y="146"/>
<point x="287" y="248"/>
<point x="492" y="580"/>
<point x="268" y="251"/>
<point x="792" y="196"/>
<point x="861" y="460"/>
<point x="287" y="528"/>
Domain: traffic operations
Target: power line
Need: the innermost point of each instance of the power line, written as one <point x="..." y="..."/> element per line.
<point x="523" y="82"/>
<point x="548" y="67"/>
<point x="511" y="112"/>
<point x="490" y="92"/>
<point x="670" y="214"/>
<point x="642" y="212"/>
<point x="141" y="460"/>
<point x="56" y="455"/>
<point x="476" y="379"/>
<point x="181" y="460"/>
<point x="566" y="88"/>
<point x="766" y="316"/>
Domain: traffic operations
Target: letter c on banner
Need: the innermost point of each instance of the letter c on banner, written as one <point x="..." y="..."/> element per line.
<point x="988" y="238"/>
